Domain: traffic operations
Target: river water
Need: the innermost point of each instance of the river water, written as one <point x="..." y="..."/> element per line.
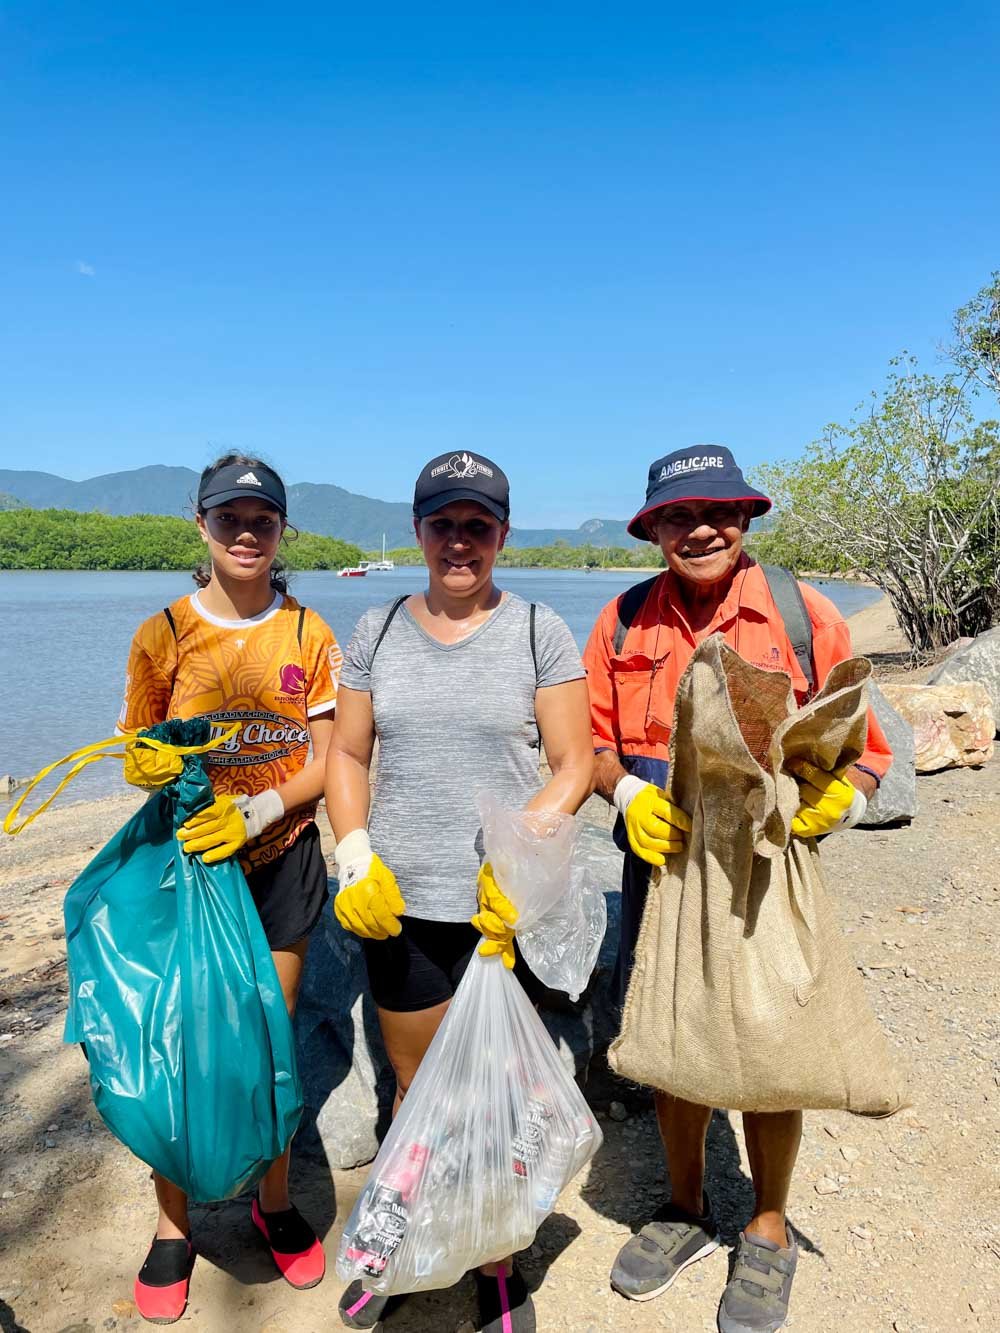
<point x="64" y="640"/>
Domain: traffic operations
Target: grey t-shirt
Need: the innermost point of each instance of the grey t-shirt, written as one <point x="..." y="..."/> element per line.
<point x="452" y="720"/>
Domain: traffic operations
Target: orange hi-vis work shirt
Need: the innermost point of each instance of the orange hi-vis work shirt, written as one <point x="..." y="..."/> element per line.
<point x="255" y="672"/>
<point x="632" y="693"/>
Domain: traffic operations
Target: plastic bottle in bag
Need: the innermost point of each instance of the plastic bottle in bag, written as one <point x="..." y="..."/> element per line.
<point x="384" y="1214"/>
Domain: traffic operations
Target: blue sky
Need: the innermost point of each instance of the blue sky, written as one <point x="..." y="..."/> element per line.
<point x="571" y="236"/>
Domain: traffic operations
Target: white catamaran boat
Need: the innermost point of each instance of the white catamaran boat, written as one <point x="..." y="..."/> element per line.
<point x="378" y="566"/>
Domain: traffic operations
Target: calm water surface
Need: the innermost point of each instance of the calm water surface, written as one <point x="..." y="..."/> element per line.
<point x="64" y="640"/>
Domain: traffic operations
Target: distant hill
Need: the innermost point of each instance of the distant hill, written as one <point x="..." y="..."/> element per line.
<point x="316" y="507"/>
<point x="10" y="501"/>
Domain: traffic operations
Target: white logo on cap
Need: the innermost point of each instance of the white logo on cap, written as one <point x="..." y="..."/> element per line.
<point x="248" y="479"/>
<point x="463" y="467"/>
<point x="696" y="464"/>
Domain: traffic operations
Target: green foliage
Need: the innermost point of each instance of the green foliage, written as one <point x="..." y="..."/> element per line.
<point x="558" y="556"/>
<point x="65" y="539"/>
<point x="976" y="348"/>
<point x="907" y="494"/>
<point x="562" y="556"/>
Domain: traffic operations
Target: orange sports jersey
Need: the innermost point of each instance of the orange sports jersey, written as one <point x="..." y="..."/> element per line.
<point x="257" y="672"/>
<point x="632" y="693"/>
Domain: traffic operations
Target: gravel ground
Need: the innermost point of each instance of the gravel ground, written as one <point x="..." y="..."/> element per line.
<point x="897" y="1219"/>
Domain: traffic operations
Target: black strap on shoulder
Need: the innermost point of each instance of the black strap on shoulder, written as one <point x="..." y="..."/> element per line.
<point x="170" y="621"/>
<point x="531" y="636"/>
<point x="385" y="625"/>
<point x="787" y="596"/>
<point x="628" y="608"/>
<point x="302" y="621"/>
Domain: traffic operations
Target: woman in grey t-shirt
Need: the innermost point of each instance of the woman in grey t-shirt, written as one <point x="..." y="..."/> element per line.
<point x="461" y="684"/>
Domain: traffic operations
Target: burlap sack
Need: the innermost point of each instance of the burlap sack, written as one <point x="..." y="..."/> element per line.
<point x="743" y="995"/>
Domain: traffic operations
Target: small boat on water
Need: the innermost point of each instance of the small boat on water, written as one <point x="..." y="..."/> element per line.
<point x="352" y="572"/>
<point x="382" y="566"/>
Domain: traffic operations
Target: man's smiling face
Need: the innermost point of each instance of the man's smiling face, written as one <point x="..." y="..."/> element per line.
<point x="701" y="540"/>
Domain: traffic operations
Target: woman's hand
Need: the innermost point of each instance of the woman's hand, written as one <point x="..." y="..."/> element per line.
<point x="369" y="903"/>
<point x="496" y="918"/>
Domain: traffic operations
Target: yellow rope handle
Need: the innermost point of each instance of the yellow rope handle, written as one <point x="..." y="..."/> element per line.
<point x="89" y="754"/>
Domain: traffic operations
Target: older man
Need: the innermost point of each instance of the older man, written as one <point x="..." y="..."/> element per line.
<point x="698" y="507"/>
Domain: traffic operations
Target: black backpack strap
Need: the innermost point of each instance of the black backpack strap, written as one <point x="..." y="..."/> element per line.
<point x="385" y="625"/>
<point x="170" y="621"/>
<point x="787" y="597"/>
<point x="531" y="636"/>
<point x="302" y="621"/>
<point x="628" y="608"/>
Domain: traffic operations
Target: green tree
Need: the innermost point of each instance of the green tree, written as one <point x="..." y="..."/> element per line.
<point x="65" y="539"/>
<point x="907" y="494"/>
<point x="976" y="345"/>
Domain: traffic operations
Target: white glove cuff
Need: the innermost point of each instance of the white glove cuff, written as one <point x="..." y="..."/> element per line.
<point x="354" y="856"/>
<point x="260" y="811"/>
<point x="854" y="812"/>
<point x="627" y="790"/>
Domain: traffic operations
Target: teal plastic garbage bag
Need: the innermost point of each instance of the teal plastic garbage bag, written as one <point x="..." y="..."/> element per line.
<point x="174" y="996"/>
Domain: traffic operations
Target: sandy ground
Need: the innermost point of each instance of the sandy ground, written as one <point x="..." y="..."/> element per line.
<point x="897" y="1220"/>
<point x="875" y="631"/>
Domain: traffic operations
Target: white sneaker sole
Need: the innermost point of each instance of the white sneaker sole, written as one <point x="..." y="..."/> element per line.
<point x="706" y="1249"/>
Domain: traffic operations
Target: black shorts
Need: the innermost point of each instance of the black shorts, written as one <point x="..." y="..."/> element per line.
<point x="422" y="966"/>
<point x="289" y="893"/>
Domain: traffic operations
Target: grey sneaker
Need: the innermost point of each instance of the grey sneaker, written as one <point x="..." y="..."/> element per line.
<point x="756" y="1297"/>
<point x="673" y="1240"/>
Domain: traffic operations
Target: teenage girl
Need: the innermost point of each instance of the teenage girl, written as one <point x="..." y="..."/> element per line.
<point x="240" y="648"/>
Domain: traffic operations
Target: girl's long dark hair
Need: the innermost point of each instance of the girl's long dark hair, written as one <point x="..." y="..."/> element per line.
<point x="203" y="574"/>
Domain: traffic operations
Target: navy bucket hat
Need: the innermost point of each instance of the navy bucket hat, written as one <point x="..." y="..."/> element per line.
<point x="699" y="472"/>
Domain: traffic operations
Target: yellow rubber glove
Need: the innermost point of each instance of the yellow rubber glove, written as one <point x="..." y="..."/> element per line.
<point x="496" y="918"/>
<point x="219" y="831"/>
<point x="371" y="906"/>
<point x="656" y="827"/>
<point x="829" y="803"/>
<point x="148" y="768"/>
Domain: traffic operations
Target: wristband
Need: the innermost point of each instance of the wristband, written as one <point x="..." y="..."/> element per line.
<point x="626" y="791"/>
<point x="261" y="811"/>
<point x="854" y="812"/>
<point x="354" y="856"/>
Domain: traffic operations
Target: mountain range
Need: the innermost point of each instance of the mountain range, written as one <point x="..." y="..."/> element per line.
<point x="314" y="506"/>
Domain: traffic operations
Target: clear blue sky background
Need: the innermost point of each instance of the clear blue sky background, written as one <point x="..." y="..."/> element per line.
<point x="572" y="236"/>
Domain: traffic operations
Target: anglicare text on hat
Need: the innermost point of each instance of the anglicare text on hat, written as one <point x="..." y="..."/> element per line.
<point x="699" y="472"/>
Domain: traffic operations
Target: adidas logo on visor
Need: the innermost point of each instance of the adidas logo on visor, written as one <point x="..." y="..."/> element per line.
<point x="248" y="479"/>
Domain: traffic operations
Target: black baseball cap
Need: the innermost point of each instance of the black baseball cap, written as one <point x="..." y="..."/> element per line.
<point x="236" y="480"/>
<point x="461" y="476"/>
<point x="699" y="472"/>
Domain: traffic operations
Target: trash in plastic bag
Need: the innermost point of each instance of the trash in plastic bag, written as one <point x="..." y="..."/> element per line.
<point x="493" y="1126"/>
<point x="174" y="995"/>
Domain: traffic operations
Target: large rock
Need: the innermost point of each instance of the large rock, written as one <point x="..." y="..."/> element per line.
<point x="896" y="799"/>
<point x="953" y="725"/>
<point x="978" y="660"/>
<point x="346" y="1078"/>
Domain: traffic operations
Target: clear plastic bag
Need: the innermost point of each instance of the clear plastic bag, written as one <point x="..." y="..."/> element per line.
<point x="493" y="1126"/>
<point x="562" y="914"/>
